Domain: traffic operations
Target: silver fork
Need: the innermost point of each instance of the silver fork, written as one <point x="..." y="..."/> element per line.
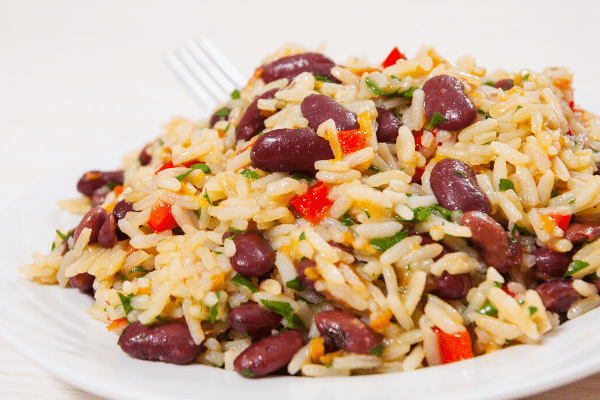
<point x="205" y="72"/>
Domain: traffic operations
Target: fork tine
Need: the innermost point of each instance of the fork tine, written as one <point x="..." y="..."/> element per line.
<point x="231" y="72"/>
<point x="189" y="81"/>
<point x="211" y="68"/>
<point x="202" y="71"/>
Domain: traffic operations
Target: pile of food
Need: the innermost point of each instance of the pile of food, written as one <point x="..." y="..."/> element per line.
<point x="343" y="219"/>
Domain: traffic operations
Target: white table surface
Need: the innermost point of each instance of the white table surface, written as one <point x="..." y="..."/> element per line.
<point x="76" y="76"/>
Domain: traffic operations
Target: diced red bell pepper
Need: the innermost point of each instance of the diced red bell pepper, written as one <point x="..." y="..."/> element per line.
<point x="169" y="164"/>
<point x="351" y="141"/>
<point x="454" y="347"/>
<point x="314" y="204"/>
<point x="560" y="220"/>
<point x="393" y="57"/>
<point x="161" y="217"/>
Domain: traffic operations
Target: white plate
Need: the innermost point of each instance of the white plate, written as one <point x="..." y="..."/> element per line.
<point x="49" y="325"/>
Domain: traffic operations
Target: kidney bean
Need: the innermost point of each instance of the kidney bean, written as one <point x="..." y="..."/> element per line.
<point x="253" y="254"/>
<point x="93" y="180"/>
<point x="446" y="95"/>
<point x="596" y="283"/>
<point x="99" y="195"/>
<point x="301" y="270"/>
<point x="582" y="232"/>
<point x="93" y="219"/>
<point x="253" y="320"/>
<point x="145" y="157"/>
<point x="505" y="84"/>
<point x="346" y="331"/>
<point x="291" y="66"/>
<point x="428" y="240"/>
<point x="318" y="108"/>
<point x="388" y="125"/>
<point x="340" y="246"/>
<point x="451" y="286"/>
<point x="489" y="238"/>
<point x="290" y="150"/>
<point x="269" y="354"/>
<point x="121" y="209"/>
<point x="455" y="187"/>
<point x="557" y="295"/>
<point x="252" y="121"/>
<point x="550" y="264"/>
<point x="107" y="235"/>
<point x="83" y="281"/>
<point x="170" y="342"/>
<point x="220" y="115"/>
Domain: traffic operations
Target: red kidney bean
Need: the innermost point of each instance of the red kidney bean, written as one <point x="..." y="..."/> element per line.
<point x="428" y="240"/>
<point x="388" y="125"/>
<point x="505" y="84"/>
<point x="99" y="196"/>
<point x="83" y="281"/>
<point x="121" y="209"/>
<point x="340" y="246"/>
<point x="557" y="295"/>
<point x="107" y="235"/>
<point x="489" y="238"/>
<point x="253" y="320"/>
<point x="346" y="331"/>
<point x="301" y="270"/>
<point x="93" y="219"/>
<point x="252" y="121"/>
<point x="582" y="232"/>
<point x="291" y="66"/>
<point x="290" y="150"/>
<point x="550" y="264"/>
<point x="170" y="342"/>
<point x="253" y="254"/>
<point x="269" y="354"/>
<point x="446" y="95"/>
<point x="451" y="286"/>
<point x="318" y="108"/>
<point x="596" y="283"/>
<point x="93" y="180"/>
<point x="145" y="157"/>
<point x="220" y="115"/>
<point x="455" y="187"/>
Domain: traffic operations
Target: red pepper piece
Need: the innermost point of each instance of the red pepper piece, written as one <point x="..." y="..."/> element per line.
<point x="314" y="204"/>
<point x="393" y="57"/>
<point x="161" y="217"/>
<point x="351" y="141"/>
<point x="454" y="347"/>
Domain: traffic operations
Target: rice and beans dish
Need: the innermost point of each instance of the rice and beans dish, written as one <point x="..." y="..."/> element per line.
<point x="343" y="219"/>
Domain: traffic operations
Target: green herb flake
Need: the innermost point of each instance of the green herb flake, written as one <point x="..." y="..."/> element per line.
<point x="459" y="173"/>
<point x="346" y="219"/>
<point x="61" y="235"/>
<point x="506" y="184"/>
<point x="374" y="169"/>
<point x="574" y="267"/>
<point x="376" y="350"/>
<point x="248" y="173"/>
<point x="525" y="77"/>
<point x="139" y="268"/>
<point x="572" y="201"/>
<point x="223" y="112"/>
<point x="409" y="93"/>
<point x="295" y="284"/>
<point x="299" y="177"/>
<point x="160" y="142"/>
<point x="518" y="108"/>
<point x="422" y="213"/>
<point x="498" y="284"/>
<point x="235" y="94"/>
<point x="241" y="280"/>
<point x="53" y="245"/>
<point x="247" y="373"/>
<point x="382" y="244"/>
<point x="126" y="301"/>
<point x="322" y="79"/>
<point x="488" y="309"/>
<point x="532" y="310"/>
<point x="436" y="120"/>
<point x="486" y="115"/>
<point x="367" y="213"/>
<point x="205" y="195"/>
<point x="284" y="309"/>
<point x="302" y="236"/>
<point x="374" y="88"/>
<point x="553" y="193"/>
<point x="214" y="313"/>
<point x="201" y="166"/>
<point x="489" y="83"/>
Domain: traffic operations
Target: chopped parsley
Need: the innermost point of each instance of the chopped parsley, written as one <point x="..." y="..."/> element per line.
<point x="235" y="94"/>
<point x="241" y="280"/>
<point x="299" y="177"/>
<point x="201" y="166"/>
<point x="284" y="309"/>
<point x="223" y="112"/>
<point x="374" y="168"/>
<point x="396" y="93"/>
<point x="248" y="173"/>
<point x="367" y="213"/>
<point x="532" y="310"/>
<point x="139" y="268"/>
<point x="235" y="232"/>
<point x="506" y="184"/>
<point x="382" y="244"/>
<point x="205" y="195"/>
<point x="459" y="173"/>
<point x="346" y="219"/>
<point x="574" y="267"/>
<point x="422" y="213"/>
<point x="409" y="93"/>
<point x="436" y="120"/>
<point x="486" y="115"/>
<point x="247" y="372"/>
<point x="61" y="235"/>
<point x="488" y="309"/>
<point x="489" y="83"/>
<point x="572" y="201"/>
<point x="376" y="350"/>
<point x="295" y="284"/>
<point x="525" y="77"/>
<point x="323" y="79"/>
<point x="214" y="310"/>
<point x="126" y="301"/>
<point x="302" y="236"/>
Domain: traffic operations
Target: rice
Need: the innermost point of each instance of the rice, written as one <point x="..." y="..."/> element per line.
<point x="368" y="233"/>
